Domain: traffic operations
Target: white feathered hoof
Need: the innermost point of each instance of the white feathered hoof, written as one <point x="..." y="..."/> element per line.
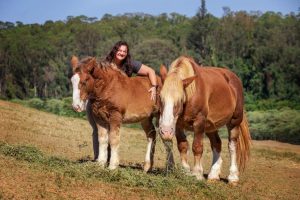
<point x="147" y="167"/>
<point x="113" y="166"/>
<point x="199" y="176"/>
<point x="101" y="163"/>
<point x="213" y="177"/>
<point x="233" y="179"/>
<point x="233" y="183"/>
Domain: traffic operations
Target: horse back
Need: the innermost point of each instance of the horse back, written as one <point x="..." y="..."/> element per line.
<point x="218" y="96"/>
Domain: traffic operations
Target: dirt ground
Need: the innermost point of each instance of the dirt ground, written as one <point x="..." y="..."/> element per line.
<point x="269" y="175"/>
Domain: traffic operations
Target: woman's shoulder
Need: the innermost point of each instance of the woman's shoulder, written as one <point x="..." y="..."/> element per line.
<point x="136" y="63"/>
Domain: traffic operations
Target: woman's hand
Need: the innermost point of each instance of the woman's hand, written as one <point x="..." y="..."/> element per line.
<point x="153" y="92"/>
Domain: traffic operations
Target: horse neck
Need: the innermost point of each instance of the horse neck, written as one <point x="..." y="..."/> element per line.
<point x="98" y="73"/>
<point x="90" y="87"/>
<point x="107" y="74"/>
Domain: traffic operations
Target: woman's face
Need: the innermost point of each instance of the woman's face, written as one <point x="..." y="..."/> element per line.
<point x="121" y="53"/>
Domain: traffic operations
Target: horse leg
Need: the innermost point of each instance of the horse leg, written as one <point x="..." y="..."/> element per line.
<point x="114" y="139"/>
<point x="95" y="130"/>
<point x="233" y="176"/>
<point x="103" y="141"/>
<point x="198" y="146"/>
<point x="149" y="129"/>
<point x="182" y="145"/>
<point x="216" y="147"/>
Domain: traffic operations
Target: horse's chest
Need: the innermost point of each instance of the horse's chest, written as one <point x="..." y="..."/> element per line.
<point x="102" y="115"/>
<point x="189" y="122"/>
<point x="103" y="110"/>
<point x="131" y="117"/>
<point x="186" y="122"/>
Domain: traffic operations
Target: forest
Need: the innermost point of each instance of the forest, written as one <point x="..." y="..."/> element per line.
<point x="263" y="49"/>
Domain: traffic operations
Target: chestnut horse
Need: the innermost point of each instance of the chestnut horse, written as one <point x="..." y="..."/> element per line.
<point x="114" y="98"/>
<point x="203" y="99"/>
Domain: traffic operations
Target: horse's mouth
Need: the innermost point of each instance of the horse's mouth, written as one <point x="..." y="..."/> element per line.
<point x="77" y="108"/>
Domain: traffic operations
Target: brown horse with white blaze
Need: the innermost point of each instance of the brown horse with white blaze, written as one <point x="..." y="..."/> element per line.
<point x="112" y="98"/>
<point x="203" y="99"/>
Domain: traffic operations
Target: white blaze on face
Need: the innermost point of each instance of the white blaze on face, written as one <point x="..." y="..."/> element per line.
<point x="77" y="104"/>
<point x="167" y="117"/>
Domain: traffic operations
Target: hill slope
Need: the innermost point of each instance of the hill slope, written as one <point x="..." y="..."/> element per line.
<point x="31" y="171"/>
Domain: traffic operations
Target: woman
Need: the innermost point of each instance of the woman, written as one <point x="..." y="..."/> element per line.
<point x="120" y="56"/>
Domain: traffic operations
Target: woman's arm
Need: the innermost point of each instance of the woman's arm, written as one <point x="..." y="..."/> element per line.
<point x="148" y="71"/>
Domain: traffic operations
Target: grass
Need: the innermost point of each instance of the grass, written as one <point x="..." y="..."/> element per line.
<point x="47" y="156"/>
<point x="160" y="182"/>
<point x="270" y="154"/>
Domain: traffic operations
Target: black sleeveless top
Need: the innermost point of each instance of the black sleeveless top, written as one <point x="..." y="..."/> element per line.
<point x="136" y="66"/>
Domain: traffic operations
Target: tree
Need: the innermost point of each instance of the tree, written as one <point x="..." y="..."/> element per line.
<point x="202" y="10"/>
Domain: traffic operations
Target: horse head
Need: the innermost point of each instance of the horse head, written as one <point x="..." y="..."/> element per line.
<point x="173" y="95"/>
<point x="82" y="81"/>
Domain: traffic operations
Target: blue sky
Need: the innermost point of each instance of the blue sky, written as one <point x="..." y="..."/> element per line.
<point x="39" y="11"/>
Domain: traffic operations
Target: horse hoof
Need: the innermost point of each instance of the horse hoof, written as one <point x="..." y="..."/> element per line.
<point x="147" y="167"/>
<point x="233" y="183"/>
<point x="101" y="163"/>
<point x="199" y="177"/>
<point x="112" y="167"/>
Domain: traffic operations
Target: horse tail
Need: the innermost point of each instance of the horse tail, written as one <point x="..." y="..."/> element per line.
<point x="243" y="143"/>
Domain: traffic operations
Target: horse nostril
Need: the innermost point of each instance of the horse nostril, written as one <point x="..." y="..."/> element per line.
<point x="166" y="130"/>
<point x="76" y="108"/>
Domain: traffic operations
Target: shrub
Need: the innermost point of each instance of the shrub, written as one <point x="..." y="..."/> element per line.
<point x="36" y="103"/>
<point x="269" y="104"/>
<point x="281" y="125"/>
<point x="54" y="106"/>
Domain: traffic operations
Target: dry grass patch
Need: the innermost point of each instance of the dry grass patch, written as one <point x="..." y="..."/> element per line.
<point x="273" y="171"/>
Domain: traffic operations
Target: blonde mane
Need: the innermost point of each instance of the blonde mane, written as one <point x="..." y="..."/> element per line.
<point x="180" y="69"/>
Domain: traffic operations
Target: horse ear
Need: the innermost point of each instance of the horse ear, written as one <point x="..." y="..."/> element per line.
<point x="91" y="64"/>
<point x="74" y="63"/>
<point x="163" y="72"/>
<point x="188" y="81"/>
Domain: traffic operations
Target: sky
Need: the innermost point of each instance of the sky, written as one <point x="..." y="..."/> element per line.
<point x="39" y="11"/>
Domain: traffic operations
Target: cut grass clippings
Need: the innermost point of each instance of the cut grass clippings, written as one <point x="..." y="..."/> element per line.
<point x="160" y="182"/>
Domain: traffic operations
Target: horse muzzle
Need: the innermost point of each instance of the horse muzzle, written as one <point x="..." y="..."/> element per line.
<point x="166" y="133"/>
<point x="78" y="108"/>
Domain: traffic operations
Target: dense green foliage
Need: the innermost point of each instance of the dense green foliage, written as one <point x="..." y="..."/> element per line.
<point x="61" y="107"/>
<point x="262" y="48"/>
<point x="281" y="125"/>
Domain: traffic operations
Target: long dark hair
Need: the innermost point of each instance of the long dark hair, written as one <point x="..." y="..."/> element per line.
<point x="126" y="63"/>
